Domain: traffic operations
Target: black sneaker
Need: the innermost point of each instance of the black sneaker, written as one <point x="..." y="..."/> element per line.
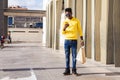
<point x="67" y="72"/>
<point x="74" y="72"/>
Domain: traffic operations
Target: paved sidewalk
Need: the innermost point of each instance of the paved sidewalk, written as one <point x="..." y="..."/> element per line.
<point x="32" y="61"/>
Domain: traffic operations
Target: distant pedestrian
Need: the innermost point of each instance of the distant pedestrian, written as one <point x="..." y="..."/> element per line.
<point x="71" y="28"/>
<point x="9" y="37"/>
<point x="2" y="40"/>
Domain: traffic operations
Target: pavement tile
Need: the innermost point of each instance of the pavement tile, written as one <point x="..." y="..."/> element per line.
<point x="18" y="59"/>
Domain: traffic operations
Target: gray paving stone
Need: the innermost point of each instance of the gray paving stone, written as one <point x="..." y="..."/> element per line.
<point x="17" y="60"/>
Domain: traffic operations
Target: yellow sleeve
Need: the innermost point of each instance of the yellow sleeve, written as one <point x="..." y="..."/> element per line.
<point x="63" y="32"/>
<point x="80" y="28"/>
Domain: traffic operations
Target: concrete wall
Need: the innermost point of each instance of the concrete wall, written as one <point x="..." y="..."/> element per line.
<point x="26" y="35"/>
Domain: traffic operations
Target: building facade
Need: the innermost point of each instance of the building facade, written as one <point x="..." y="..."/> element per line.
<point x="24" y="21"/>
<point x="4" y="18"/>
<point x="100" y="23"/>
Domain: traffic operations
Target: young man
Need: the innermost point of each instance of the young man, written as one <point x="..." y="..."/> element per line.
<point x="71" y="29"/>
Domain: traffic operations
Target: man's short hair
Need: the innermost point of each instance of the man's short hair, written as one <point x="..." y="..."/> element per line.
<point x="68" y="10"/>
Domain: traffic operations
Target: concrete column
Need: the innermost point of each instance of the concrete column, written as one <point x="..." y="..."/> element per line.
<point x="83" y="20"/>
<point x="106" y="32"/>
<point x="44" y="23"/>
<point x="68" y="3"/>
<point x="50" y="23"/>
<point x="74" y="5"/>
<point x="93" y="28"/>
<point x="58" y="10"/>
<point x="116" y="28"/>
<point x="47" y="26"/>
<point x="3" y="21"/>
<point x="103" y="30"/>
<point x="53" y="24"/>
<point x="88" y="30"/>
<point x="97" y="29"/>
<point x="78" y="5"/>
<point x="79" y="10"/>
<point x="5" y="25"/>
<point x="110" y="36"/>
<point x="44" y="31"/>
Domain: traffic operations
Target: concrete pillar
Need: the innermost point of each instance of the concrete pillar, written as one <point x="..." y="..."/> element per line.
<point x="97" y="29"/>
<point x="93" y="28"/>
<point x="58" y="10"/>
<point x="53" y="24"/>
<point x="84" y="16"/>
<point x="68" y="3"/>
<point x="78" y="6"/>
<point x="3" y="21"/>
<point x="47" y="26"/>
<point x="5" y="25"/>
<point x="50" y="23"/>
<point x="79" y="10"/>
<point x="103" y="30"/>
<point x="74" y="5"/>
<point x="106" y="32"/>
<point x="110" y="36"/>
<point x="116" y="28"/>
<point x="44" y="23"/>
<point x="44" y="31"/>
<point x="88" y="30"/>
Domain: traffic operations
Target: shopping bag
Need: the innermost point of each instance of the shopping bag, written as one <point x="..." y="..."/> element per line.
<point x="81" y="55"/>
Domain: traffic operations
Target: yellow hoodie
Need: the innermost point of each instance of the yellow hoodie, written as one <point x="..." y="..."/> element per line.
<point x="74" y="28"/>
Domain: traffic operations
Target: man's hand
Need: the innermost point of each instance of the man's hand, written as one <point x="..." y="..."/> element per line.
<point x="66" y="25"/>
<point x="82" y="43"/>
